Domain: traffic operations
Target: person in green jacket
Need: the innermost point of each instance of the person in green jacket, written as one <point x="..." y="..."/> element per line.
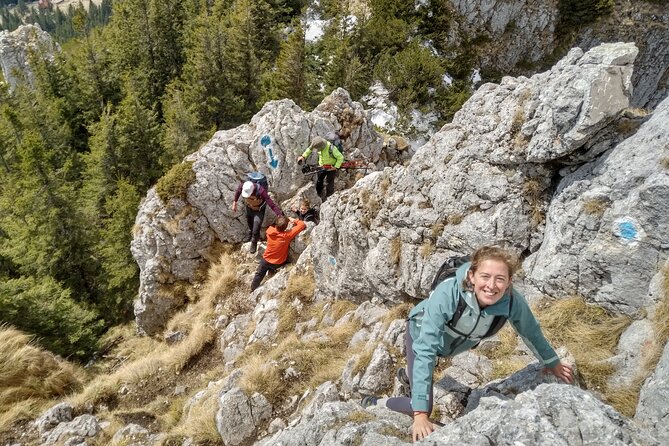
<point x="329" y="158"/>
<point x="485" y="286"/>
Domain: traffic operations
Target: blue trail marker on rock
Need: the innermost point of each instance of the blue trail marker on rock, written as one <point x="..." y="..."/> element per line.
<point x="272" y="162"/>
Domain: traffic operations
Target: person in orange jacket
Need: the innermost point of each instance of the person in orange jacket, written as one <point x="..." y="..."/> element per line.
<point x="278" y="244"/>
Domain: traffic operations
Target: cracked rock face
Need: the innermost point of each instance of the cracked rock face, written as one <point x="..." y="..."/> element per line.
<point x="172" y="240"/>
<point x="552" y="414"/>
<point x="486" y="178"/>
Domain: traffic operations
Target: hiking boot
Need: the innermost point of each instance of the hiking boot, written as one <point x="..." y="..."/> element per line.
<point x="369" y="400"/>
<point x="402" y="376"/>
<point x="254" y="246"/>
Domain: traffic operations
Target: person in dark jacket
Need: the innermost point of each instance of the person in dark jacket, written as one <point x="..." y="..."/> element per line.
<point x="485" y="286"/>
<point x="256" y="198"/>
<point x="305" y="212"/>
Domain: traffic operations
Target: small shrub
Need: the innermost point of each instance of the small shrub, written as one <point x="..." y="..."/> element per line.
<point x="454" y="219"/>
<point x="664" y="162"/>
<point x="533" y="191"/>
<point x="436" y="230"/>
<point x="595" y="207"/>
<point x="174" y="184"/>
<point x="575" y="13"/>
<point x="517" y="122"/>
<point x="427" y="249"/>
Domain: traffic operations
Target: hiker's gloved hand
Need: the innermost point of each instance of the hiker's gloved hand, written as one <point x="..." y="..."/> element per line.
<point x="421" y="426"/>
<point x="234" y="206"/>
<point x="563" y="372"/>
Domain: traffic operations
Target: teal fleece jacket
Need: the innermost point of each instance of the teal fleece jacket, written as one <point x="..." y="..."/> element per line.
<point x="432" y="338"/>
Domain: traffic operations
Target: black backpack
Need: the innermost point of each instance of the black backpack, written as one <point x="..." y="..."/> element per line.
<point x="446" y="271"/>
<point x="258" y="178"/>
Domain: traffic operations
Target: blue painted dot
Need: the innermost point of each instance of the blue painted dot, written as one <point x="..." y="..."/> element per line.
<point x="265" y="140"/>
<point x="332" y="261"/>
<point x="627" y="230"/>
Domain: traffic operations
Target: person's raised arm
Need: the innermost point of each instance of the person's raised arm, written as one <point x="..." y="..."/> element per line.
<point x="265" y="196"/>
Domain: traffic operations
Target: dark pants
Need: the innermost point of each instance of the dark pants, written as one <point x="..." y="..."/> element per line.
<point x="330" y="176"/>
<point x="402" y="403"/>
<point x="263" y="268"/>
<point x="254" y="220"/>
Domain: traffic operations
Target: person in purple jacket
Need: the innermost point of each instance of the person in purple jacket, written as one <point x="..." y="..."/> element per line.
<point x="256" y="197"/>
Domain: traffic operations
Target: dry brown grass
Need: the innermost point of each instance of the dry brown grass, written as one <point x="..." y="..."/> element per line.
<point x="146" y="357"/>
<point x="533" y="191"/>
<point x="625" y="399"/>
<point x="395" y="250"/>
<point x="589" y="332"/>
<point x="427" y="248"/>
<point x="664" y="162"/>
<point x="436" y="230"/>
<point x="30" y="376"/>
<point x="364" y="358"/>
<point x="300" y="285"/>
<point x="315" y="362"/>
<point x="198" y="422"/>
<point x="341" y="307"/>
<point x="454" y="219"/>
<point x="595" y="207"/>
<point x="400" y="311"/>
<point x="222" y="280"/>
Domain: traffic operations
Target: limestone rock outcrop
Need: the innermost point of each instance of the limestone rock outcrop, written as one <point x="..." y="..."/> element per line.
<point x="172" y="240"/>
<point x="551" y="414"/>
<point x="485" y="178"/>
<point x="15" y="48"/>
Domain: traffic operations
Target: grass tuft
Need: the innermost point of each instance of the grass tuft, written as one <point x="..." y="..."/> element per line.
<point x="30" y="376"/>
<point x="589" y="332"/>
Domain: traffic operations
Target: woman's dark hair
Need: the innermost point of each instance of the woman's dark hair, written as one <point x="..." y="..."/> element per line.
<point x="281" y="222"/>
<point x="305" y="202"/>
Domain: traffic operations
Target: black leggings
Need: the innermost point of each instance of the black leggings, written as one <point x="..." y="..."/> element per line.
<point x="328" y="175"/>
<point x="254" y="221"/>
<point x="263" y="268"/>
<point x="402" y="403"/>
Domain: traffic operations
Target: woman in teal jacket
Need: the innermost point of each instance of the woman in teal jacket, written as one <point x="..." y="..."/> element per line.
<point x="485" y="286"/>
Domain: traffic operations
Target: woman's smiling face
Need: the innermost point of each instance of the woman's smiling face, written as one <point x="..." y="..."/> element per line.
<point x="490" y="281"/>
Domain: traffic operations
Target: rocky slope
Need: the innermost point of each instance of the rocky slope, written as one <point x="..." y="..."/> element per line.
<point x="556" y="167"/>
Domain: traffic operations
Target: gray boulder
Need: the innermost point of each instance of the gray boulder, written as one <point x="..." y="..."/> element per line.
<point x="15" y="47"/>
<point x="606" y="232"/>
<point x="81" y="427"/>
<point x="652" y="412"/>
<point x="60" y="413"/>
<point x="240" y="417"/>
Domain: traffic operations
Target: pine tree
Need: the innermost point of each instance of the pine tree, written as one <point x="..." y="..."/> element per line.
<point x="120" y="275"/>
<point x="146" y="40"/>
<point x="289" y="78"/>
<point x="183" y="130"/>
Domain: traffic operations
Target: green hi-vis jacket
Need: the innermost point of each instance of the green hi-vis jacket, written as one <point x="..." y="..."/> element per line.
<point x="329" y="156"/>
<point x="432" y="337"/>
